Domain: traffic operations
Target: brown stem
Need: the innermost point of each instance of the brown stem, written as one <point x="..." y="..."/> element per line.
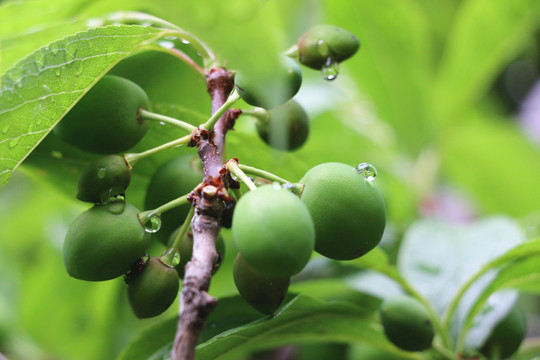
<point x="195" y="302"/>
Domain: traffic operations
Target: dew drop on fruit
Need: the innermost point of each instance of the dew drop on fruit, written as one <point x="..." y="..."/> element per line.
<point x="322" y="48"/>
<point x="153" y="224"/>
<point x="170" y="257"/>
<point x="367" y="170"/>
<point x="330" y="70"/>
<point x="114" y="205"/>
<point x="101" y="173"/>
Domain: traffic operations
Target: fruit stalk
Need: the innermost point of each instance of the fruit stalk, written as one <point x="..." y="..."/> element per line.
<point x="195" y="302"/>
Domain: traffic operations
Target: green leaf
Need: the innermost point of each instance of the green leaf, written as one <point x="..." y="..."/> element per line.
<point x="473" y="58"/>
<point x="519" y="269"/>
<point x="41" y="88"/>
<point x="302" y="320"/>
<point x="437" y="257"/>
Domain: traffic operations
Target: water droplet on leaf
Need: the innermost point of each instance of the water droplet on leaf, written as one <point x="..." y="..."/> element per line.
<point x="330" y="70"/>
<point x="13" y="143"/>
<point x="153" y="224"/>
<point x="5" y="129"/>
<point x="368" y="171"/>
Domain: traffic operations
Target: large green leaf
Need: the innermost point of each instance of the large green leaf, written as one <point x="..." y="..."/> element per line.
<point x="517" y="269"/>
<point x="473" y="57"/>
<point x="41" y="88"/>
<point x="437" y="257"/>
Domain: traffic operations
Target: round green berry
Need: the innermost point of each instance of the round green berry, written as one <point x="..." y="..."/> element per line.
<point x="285" y="128"/>
<point x="506" y="336"/>
<point x="263" y="293"/>
<point x="271" y="88"/>
<point x="175" y="178"/>
<point x="406" y="323"/>
<point x="154" y="289"/>
<point x="273" y="231"/>
<point x="104" y="178"/>
<point x="106" y="120"/>
<point x="348" y="211"/>
<point x="102" y="245"/>
<point x="323" y="45"/>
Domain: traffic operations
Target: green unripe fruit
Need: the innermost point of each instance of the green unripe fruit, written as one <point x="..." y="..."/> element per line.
<point x="104" y="178"/>
<point x="105" y="120"/>
<point x="186" y="250"/>
<point x="263" y="293"/>
<point x="285" y="128"/>
<point x="271" y="88"/>
<point x="154" y="289"/>
<point x="273" y="231"/>
<point x="406" y="323"/>
<point x="506" y="336"/>
<point x="324" y="44"/>
<point x="348" y="211"/>
<point x="102" y="245"/>
<point x="175" y="178"/>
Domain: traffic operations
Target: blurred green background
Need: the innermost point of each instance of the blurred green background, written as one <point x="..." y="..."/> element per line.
<point x="440" y="99"/>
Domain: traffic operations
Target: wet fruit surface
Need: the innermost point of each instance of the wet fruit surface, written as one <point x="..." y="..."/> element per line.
<point x="347" y="210"/>
<point x="105" y="120"/>
<point x="102" y="245"/>
<point x="273" y="231"/>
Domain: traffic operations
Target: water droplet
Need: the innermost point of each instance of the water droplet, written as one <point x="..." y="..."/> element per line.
<point x="322" y="48"/>
<point x="153" y="224"/>
<point x="57" y="72"/>
<point x="166" y="44"/>
<point x="330" y="70"/>
<point x="185" y="41"/>
<point x="101" y="173"/>
<point x="13" y="143"/>
<point x="57" y="154"/>
<point x="170" y="257"/>
<point x="5" y="129"/>
<point x="368" y="171"/>
<point x="114" y="204"/>
<point x="161" y="123"/>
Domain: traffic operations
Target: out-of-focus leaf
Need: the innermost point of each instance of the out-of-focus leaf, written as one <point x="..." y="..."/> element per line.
<point x="41" y="88"/>
<point x="436" y="258"/>
<point x="518" y="269"/>
<point x="487" y="155"/>
<point x="473" y="58"/>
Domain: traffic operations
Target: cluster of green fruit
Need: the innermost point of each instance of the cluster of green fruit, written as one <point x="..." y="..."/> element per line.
<point x="340" y="213"/>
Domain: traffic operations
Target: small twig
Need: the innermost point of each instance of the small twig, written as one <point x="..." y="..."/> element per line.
<point x="195" y="302"/>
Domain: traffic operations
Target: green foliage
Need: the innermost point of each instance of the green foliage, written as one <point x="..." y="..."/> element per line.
<point x="417" y="101"/>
